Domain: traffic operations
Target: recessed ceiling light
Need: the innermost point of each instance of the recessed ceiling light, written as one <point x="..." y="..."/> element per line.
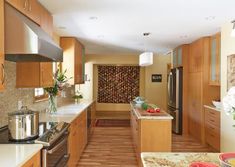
<point x="93" y="18"/>
<point x="62" y="27"/>
<point x="210" y="18"/>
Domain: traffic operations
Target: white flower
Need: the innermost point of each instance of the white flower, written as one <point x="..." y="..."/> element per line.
<point x="229" y="101"/>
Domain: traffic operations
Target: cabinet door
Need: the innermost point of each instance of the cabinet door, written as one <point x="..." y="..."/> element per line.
<point x="215" y="60"/>
<point x="35" y="161"/>
<point x="46" y="21"/>
<point x="179" y="56"/>
<point x="196" y="52"/>
<point x="78" y="64"/>
<point x="46" y="74"/>
<point x="2" y="76"/>
<point x="175" y="58"/>
<point x="27" y="75"/>
<point x="18" y="4"/>
<point x="34" y="11"/>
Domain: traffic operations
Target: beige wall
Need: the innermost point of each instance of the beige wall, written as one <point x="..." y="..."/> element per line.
<point x="156" y="92"/>
<point x="227" y="48"/>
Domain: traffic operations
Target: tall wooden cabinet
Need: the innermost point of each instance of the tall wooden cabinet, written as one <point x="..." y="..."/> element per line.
<point x="214" y="76"/>
<point x="2" y="76"/>
<point x="73" y="56"/>
<point x="199" y="90"/>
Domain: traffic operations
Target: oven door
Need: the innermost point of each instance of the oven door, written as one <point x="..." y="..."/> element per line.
<point x="57" y="155"/>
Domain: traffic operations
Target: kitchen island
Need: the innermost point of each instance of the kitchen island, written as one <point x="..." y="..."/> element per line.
<point x="177" y="159"/>
<point x="151" y="132"/>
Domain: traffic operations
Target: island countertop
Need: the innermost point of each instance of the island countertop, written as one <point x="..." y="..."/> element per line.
<point x="141" y="114"/>
<point x="177" y="159"/>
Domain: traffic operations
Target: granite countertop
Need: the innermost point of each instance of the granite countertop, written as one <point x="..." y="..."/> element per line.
<point x="15" y="155"/>
<point x="212" y="107"/>
<point x="177" y="159"/>
<point x="161" y="116"/>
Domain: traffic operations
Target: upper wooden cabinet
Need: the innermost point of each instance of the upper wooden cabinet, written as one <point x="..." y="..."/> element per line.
<point x="73" y="59"/>
<point x="178" y="57"/>
<point x="2" y="75"/>
<point x="30" y="8"/>
<point x="215" y="60"/>
<point x="34" y="75"/>
<point x="46" y="21"/>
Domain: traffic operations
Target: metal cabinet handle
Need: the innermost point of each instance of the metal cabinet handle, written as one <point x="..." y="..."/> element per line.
<point x="3" y="74"/>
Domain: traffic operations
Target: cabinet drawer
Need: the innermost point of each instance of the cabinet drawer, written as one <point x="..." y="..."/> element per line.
<point x="212" y="117"/>
<point x="213" y="139"/>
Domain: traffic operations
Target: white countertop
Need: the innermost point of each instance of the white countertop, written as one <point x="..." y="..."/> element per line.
<point x="212" y="107"/>
<point x="66" y="113"/>
<point x="15" y="155"/>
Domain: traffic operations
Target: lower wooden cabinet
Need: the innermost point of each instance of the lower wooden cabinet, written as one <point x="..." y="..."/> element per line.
<point x="77" y="138"/>
<point x="34" y="74"/>
<point x="150" y="135"/>
<point x="212" y="128"/>
<point x="35" y="161"/>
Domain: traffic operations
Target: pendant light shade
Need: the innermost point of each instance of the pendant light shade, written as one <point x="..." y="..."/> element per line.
<point x="233" y="30"/>
<point x="146" y="59"/>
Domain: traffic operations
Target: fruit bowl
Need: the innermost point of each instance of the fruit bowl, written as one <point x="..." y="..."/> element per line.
<point x="227" y="159"/>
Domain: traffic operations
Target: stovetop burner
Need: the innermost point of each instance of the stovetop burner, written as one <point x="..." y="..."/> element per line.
<point x="48" y="133"/>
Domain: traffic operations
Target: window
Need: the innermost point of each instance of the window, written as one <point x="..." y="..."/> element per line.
<point x="40" y="94"/>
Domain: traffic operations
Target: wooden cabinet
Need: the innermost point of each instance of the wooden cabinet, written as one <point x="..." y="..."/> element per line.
<point x="2" y="58"/>
<point x="92" y="111"/>
<point x="30" y="8"/>
<point x="77" y="138"/>
<point x="34" y="75"/>
<point x="212" y="128"/>
<point x="199" y="90"/>
<point x="215" y="60"/>
<point x="35" y="161"/>
<point x="150" y="135"/>
<point x="46" y="21"/>
<point x="73" y="59"/>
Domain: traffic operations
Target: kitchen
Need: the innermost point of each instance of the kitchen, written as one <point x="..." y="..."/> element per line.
<point x="104" y="70"/>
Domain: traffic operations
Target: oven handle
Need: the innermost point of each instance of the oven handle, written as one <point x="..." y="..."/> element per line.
<point x="54" y="149"/>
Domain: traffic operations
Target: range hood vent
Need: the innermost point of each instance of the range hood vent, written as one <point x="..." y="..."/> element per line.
<point x="25" y="41"/>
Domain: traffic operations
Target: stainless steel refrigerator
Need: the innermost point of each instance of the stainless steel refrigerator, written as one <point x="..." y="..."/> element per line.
<point x="175" y="97"/>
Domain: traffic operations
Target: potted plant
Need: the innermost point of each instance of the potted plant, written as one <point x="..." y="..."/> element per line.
<point x="77" y="96"/>
<point x="60" y="83"/>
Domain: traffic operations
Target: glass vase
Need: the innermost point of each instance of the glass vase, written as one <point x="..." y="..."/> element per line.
<point x="52" y="108"/>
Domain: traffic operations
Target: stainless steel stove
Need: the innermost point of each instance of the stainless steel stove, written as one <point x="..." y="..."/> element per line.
<point x="54" y="138"/>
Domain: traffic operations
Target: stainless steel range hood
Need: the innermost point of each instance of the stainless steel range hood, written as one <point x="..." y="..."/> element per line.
<point x="25" y="41"/>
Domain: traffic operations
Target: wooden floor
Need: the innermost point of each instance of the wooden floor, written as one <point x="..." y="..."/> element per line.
<point x="112" y="147"/>
<point x="109" y="147"/>
<point x="188" y="144"/>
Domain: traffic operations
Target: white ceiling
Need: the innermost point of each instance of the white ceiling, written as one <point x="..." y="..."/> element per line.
<point x="119" y="24"/>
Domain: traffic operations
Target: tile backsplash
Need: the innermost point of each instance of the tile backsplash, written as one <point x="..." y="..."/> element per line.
<point x="11" y="95"/>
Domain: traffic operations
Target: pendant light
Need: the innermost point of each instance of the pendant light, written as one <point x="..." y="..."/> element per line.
<point x="146" y="58"/>
<point x="233" y="30"/>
